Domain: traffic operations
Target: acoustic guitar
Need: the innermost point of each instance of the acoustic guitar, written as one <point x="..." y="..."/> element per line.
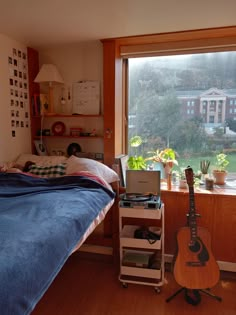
<point x="195" y="266"/>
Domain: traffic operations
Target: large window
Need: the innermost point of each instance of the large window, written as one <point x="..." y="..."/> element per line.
<point x="184" y="102"/>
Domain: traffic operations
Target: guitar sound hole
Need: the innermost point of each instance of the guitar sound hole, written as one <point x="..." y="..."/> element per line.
<point x="195" y="247"/>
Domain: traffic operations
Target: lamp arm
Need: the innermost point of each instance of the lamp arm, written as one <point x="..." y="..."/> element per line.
<point x="51" y="101"/>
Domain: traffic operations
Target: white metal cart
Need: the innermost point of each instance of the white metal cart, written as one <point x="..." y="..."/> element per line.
<point x="140" y="272"/>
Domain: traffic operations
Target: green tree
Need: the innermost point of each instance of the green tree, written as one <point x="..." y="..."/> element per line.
<point x="169" y="116"/>
<point x="191" y="136"/>
<point x="231" y="124"/>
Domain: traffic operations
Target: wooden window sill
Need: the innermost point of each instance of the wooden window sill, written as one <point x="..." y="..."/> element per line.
<point x="217" y="190"/>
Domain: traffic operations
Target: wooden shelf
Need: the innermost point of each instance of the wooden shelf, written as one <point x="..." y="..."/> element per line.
<point x="68" y="136"/>
<point x="67" y="116"/>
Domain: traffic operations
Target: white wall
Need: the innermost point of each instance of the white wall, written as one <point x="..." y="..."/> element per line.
<point x="75" y="62"/>
<point x="10" y="147"/>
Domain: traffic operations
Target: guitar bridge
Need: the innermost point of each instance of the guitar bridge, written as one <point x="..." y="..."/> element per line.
<point x="195" y="263"/>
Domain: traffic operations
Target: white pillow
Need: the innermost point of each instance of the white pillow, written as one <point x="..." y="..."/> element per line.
<point x="76" y="164"/>
<point x="40" y="160"/>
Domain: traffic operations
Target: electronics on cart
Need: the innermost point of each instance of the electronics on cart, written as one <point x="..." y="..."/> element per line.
<point x="142" y="190"/>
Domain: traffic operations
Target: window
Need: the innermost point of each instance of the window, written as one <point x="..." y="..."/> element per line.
<point x="160" y="94"/>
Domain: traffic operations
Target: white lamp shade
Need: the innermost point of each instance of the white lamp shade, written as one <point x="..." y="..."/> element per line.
<point x="49" y="73"/>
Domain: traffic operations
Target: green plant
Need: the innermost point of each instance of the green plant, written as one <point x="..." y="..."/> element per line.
<point x="136" y="162"/>
<point x="164" y="156"/>
<point x="221" y="162"/>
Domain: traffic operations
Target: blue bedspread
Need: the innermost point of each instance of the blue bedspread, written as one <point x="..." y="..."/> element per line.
<point x="41" y="221"/>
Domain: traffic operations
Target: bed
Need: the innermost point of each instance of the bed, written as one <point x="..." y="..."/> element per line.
<point x="42" y="222"/>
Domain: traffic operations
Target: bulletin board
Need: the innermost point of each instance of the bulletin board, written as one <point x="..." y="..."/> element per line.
<point x="86" y="98"/>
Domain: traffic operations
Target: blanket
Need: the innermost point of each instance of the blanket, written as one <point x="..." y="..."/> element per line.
<point x="41" y="221"/>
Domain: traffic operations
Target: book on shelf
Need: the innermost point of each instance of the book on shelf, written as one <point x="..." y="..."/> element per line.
<point x="136" y="259"/>
<point x="40" y="104"/>
<point x="44" y="103"/>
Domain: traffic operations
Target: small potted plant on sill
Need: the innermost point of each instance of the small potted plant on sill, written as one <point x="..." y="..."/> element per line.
<point x="182" y="179"/>
<point x="220" y="172"/>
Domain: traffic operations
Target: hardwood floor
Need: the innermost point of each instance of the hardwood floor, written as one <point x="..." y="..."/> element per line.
<point x="85" y="287"/>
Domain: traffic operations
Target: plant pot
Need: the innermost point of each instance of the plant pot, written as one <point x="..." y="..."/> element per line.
<point x="183" y="183"/>
<point x="219" y="177"/>
<point x="167" y="168"/>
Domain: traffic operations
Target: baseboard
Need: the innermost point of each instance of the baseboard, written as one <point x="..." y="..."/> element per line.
<point x="227" y="266"/>
<point x="103" y="250"/>
<point x="95" y="249"/>
<point x="223" y="265"/>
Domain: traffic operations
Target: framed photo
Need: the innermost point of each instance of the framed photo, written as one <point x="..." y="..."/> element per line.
<point x="40" y="147"/>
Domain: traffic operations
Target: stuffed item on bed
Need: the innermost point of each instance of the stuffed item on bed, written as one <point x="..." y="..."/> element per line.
<point x="40" y="160"/>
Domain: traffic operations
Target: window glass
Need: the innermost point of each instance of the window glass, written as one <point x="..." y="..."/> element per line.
<point x="183" y="102"/>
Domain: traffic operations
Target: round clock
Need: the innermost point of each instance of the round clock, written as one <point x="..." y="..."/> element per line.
<point x="58" y="128"/>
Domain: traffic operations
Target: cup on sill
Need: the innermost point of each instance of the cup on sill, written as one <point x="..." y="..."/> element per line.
<point x="209" y="183"/>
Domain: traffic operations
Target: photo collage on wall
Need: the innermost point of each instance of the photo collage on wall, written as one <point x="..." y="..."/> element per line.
<point x="18" y="89"/>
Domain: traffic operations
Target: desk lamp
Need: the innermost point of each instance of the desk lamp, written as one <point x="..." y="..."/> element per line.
<point x="50" y="74"/>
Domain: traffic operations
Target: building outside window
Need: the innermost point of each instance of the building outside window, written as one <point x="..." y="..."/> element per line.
<point x="162" y="88"/>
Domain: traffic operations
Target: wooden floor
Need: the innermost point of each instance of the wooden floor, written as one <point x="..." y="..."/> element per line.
<point x="85" y="287"/>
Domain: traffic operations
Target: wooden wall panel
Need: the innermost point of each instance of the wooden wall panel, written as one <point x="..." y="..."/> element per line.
<point x="218" y="215"/>
<point x="109" y="101"/>
<point x="33" y="69"/>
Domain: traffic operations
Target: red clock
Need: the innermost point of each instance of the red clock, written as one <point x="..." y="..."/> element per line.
<point x="58" y="128"/>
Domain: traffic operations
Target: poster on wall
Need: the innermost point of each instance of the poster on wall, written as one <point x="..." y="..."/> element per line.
<point x="86" y="98"/>
<point x="18" y="90"/>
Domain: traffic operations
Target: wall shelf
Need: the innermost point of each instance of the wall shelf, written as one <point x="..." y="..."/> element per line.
<point x="67" y="116"/>
<point x="68" y="136"/>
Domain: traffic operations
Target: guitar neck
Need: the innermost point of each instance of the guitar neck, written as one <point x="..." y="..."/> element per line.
<point x="192" y="222"/>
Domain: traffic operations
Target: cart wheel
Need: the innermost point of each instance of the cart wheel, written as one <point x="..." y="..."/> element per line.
<point x="124" y="285"/>
<point x="157" y="290"/>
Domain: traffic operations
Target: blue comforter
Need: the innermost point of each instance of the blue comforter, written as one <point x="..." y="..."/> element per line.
<point x="41" y="221"/>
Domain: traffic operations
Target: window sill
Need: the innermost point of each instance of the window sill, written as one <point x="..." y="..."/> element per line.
<point x="228" y="189"/>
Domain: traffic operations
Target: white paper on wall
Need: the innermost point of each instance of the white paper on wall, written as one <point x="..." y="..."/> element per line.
<point x="86" y="98"/>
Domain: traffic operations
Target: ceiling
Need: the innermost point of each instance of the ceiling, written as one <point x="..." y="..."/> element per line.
<point x="57" y="22"/>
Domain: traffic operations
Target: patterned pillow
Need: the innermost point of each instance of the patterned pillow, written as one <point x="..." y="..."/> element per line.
<point x="48" y="171"/>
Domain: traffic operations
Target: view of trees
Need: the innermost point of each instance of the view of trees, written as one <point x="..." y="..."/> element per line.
<point x="154" y="109"/>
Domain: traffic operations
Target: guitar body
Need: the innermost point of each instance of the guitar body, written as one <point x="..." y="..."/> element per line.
<point x="195" y="266"/>
<point x="193" y="272"/>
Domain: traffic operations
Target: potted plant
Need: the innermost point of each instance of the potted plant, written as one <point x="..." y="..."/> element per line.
<point x="182" y="179"/>
<point x="166" y="157"/>
<point x="136" y="162"/>
<point x="220" y="172"/>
